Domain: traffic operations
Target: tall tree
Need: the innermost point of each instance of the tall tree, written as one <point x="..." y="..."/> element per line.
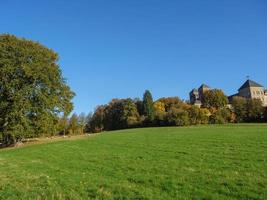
<point x="148" y="106"/>
<point x="32" y="90"/>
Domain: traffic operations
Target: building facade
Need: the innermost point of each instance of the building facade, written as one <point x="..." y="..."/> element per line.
<point x="252" y="90"/>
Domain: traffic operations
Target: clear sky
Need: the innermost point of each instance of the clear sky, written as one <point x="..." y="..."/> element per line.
<point x="119" y="48"/>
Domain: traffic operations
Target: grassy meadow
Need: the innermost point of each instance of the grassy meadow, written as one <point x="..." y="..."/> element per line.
<point x="202" y="162"/>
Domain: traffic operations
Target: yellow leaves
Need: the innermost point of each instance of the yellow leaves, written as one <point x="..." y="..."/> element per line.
<point x="159" y="106"/>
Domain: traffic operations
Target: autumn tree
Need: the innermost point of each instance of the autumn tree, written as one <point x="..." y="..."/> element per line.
<point x="178" y="117"/>
<point x="160" y="113"/>
<point x="214" y="99"/>
<point x="197" y="115"/>
<point x="33" y="91"/>
<point x="221" y="116"/>
<point x="171" y="101"/>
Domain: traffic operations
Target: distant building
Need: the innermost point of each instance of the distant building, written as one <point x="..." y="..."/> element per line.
<point x="196" y="95"/>
<point x="251" y="90"/>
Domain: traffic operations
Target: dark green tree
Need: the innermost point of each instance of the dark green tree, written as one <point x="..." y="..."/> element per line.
<point x="148" y="106"/>
<point x="121" y="113"/>
<point x="239" y="105"/>
<point x="32" y="90"/>
<point x="88" y="128"/>
<point x="255" y="110"/>
<point x="139" y="106"/>
<point x="97" y="122"/>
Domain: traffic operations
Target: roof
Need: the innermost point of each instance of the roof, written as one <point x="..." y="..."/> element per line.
<point x="249" y="83"/>
<point x="204" y="86"/>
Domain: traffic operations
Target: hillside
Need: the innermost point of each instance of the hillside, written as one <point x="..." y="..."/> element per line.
<point x="211" y="162"/>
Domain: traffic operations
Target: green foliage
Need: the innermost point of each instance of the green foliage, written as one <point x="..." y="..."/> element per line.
<point x="148" y="106"/>
<point x="97" y="120"/>
<point x="139" y="106"/>
<point x="75" y="126"/>
<point x="214" y="99"/>
<point x="239" y="105"/>
<point x="130" y="116"/>
<point x="32" y="90"/>
<point x="201" y="162"/>
<point x="254" y="110"/>
<point x="248" y="110"/>
<point x="178" y="117"/>
<point x="120" y="113"/>
<point x="197" y="115"/>
<point x="221" y="116"/>
<point x="88" y="128"/>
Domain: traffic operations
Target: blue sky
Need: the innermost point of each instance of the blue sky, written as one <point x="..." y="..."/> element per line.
<point x="119" y="48"/>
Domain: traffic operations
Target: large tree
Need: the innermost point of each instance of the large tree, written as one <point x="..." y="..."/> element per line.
<point x="239" y="105"/>
<point x="33" y="92"/>
<point x="97" y="121"/>
<point x="214" y="99"/>
<point x="148" y="106"/>
<point x="121" y="113"/>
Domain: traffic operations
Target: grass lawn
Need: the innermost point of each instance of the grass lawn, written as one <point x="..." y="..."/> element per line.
<point x="202" y="162"/>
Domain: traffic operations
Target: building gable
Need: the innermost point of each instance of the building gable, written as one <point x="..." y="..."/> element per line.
<point x="249" y="84"/>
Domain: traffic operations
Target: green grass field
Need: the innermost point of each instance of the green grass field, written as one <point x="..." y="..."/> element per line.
<point x="204" y="162"/>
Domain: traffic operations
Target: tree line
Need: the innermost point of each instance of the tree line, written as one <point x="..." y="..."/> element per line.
<point x="172" y="111"/>
<point x="35" y="101"/>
